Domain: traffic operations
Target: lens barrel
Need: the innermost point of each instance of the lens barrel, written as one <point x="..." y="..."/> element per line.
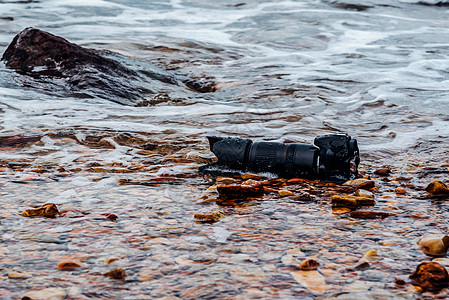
<point x="283" y="159"/>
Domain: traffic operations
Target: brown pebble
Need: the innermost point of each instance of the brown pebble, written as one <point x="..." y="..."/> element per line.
<point x="68" y="266"/>
<point x="437" y="187"/>
<point x="400" y="191"/>
<point x="368" y="214"/>
<point x="309" y="264"/>
<point x="366" y="185"/>
<point x="110" y="216"/>
<point x="351" y="201"/>
<point x="361" y="265"/>
<point x="399" y="281"/>
<point x="116" y="274"/>
<point x="111" y="260"/>
<point x="383" y="172"/>
<point x="252" y="176"/>
<point x="284" y="193"/>
<point x="303" y="196"/>
<point x="430" y="276"/>
<point x="249" y="188"/>
<point x="209" y="218"/>
<point x="48" y="210"/>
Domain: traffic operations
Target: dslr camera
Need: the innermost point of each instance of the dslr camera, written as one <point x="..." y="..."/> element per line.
<point x="333" y="157"/>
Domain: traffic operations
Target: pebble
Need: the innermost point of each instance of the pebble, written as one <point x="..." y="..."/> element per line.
<point x="309" y="264"/>
<point x="249" y="188"/>
<point x="285" y="193"/>
<point x="400" y="191"/>
<point x="370" y="255"/>
<point x="116" y="274"/>
<point x="18" y="275"/>
<point x="209" y="217"/>
<point x="430" y="276"/>
<point x="368" y="214"/>
<point x="360" y="183"/>
<point x="351" y="201"/>
<point x="48" y="210"/>
<point x="437" y="187"/>
<point x="225" y="180"/>
<point x="434" y="245"/>
<point x="47" y="294"/>
<point x="383" y="172"/>
<point x="68" y="266"/>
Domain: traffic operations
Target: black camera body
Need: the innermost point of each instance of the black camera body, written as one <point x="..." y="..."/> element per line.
<point x="329" y="159"/>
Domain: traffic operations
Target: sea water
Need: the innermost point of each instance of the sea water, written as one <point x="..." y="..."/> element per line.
<point x="284" y="71"/>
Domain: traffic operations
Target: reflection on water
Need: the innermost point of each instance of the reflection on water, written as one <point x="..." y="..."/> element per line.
<point x="284" y="71"/>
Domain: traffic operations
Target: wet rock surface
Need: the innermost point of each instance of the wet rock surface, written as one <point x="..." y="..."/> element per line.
<point x="89" y="72"/>
<point x="430" y="276"/>
<point x="48" y="210"/>
<point x="434" y="245"/>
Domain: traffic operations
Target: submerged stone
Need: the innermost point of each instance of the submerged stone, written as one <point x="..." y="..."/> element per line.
<point x="116" y="274"/>
<point x="249" y="188"/>
<point x="351" y="201"/>
<point x="38" y="53"/>
<point x="437" y="187"/>
<point x="309" y="265"/>
<point x="434" y="245"/>
<point x="48" y="210"/>
<point x="430" y="276"/>
<point x="368" y="214"/>
<point x="210" y="217"/>
<point x="88" y="72"/>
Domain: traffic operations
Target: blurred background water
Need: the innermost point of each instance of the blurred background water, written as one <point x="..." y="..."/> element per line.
<point x="286" y="70"/>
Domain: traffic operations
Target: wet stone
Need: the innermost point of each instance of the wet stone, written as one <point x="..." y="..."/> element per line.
<point x="351" y="201"/>
<point x="68" y="266"/>
<point x="116" y="274"/>
<point x="309" y="264"/>
<point x="48" y="210"/>
<point x="18" y="275"/>
<point x="430" y="276"/>
<point x="249" y="188"/>
<point x="434" y="245"/>
<point x="437" y="187"/>
<point x="285" y="193"/>
<point x="363" y="184"/>
<point x="209" y="217"/>
<point x="400" y="191"/>
<point x="383" y="172"/>
<point x="368" y="214"/>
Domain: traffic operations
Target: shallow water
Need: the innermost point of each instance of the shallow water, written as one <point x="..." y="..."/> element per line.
<point x="285" y="71"/>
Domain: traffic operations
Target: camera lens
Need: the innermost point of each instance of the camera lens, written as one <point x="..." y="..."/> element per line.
<point x="283" y="159"/>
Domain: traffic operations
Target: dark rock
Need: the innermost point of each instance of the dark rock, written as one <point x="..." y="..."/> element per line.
<point x="437" y="187"/>
<point x="39" y="53"/>
<point x="249" y="188"/>
<point x="350" y="6"/>
<point x="430" y="276"/>
<point x="116" y="274"/>
<point x="89" y="72"/>
<point x="383" y="172"/>
<point x="368" y="214"/>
